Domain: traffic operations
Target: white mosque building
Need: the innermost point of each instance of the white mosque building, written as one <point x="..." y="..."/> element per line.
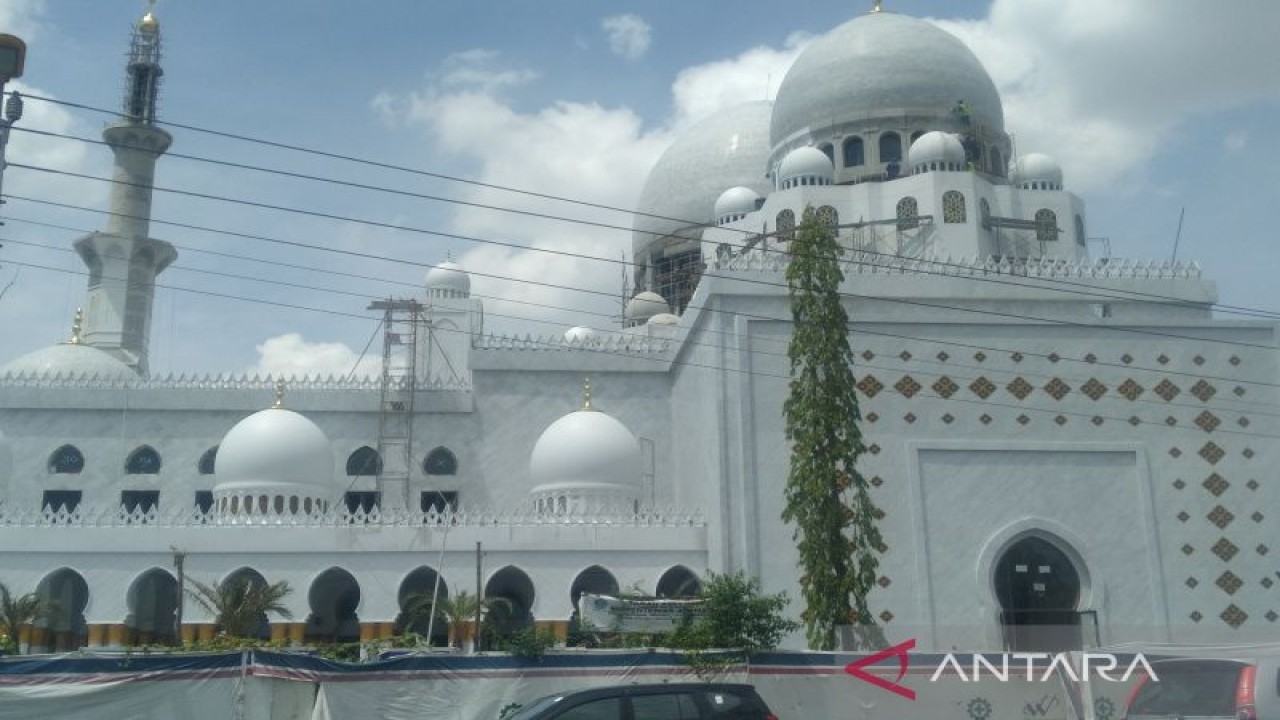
<point x="1067" y="450"/>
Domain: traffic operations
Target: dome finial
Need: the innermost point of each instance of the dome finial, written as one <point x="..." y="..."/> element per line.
<point x="279" y="401"/>
<point x="148" y="21"/>
<point x="76" y="324"/>
<point x="877" y="6"/>
<point x="586" y="394"/>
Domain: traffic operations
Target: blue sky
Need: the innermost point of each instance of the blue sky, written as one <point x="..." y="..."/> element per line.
<point x="1150" y="105"/>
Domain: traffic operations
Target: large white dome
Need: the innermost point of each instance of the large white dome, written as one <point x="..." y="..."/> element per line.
<point x="274" y="450"/>
<point x="880" y="66"/>
<point x="725" y="150"/>
<point x="70" y="360"/>
<point x="586" y="448"/>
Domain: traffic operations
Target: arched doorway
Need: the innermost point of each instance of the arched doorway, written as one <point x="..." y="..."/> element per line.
<point x="66" y="594"/>
<point x="1038" y="588"/>
<point x="417" y="587"/>
<point x="679" y="582"/>
<point x="516" y="613"/>
<point x="334" y="597"/>
<point x="153" y="606"/>
<point x="595" y="580"/>
<point x="259" y="627"/>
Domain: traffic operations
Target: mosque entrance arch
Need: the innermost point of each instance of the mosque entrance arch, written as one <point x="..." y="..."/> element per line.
<point x="66" y="595"/>
<point x="334" y="597"/>
<point x="416" y="605"/>
<point x="514" y="587"/>
<point x="1038" y="587"/>
<point x="153" y="606"/>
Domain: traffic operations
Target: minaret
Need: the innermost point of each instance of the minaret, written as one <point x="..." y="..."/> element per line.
<point x="124" y="260"/>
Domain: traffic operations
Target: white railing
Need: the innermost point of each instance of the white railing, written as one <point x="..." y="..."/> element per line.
<point x="612" y="342"/>
<point x="217" y="382"/>
<point x="120" y="517"/>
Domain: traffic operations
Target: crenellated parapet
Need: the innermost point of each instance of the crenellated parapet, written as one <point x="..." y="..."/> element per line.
<point x="611" y="343"/>
<point x="183" y="381"/>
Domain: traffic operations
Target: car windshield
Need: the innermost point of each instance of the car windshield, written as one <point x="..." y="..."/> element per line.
<point x="536" y="707"/>
<point x="1206" y="689"/>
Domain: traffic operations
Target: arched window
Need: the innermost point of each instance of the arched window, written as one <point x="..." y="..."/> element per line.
<point x="829" y="150"/>
<point x="1046" y="225"/>
<point x="1081" y="239"/>
<point x="827" y="216"/>
<point x="66" y="460"/>
<point x="853" y="153"/>
<point x="364" y="462"/>
<point x="984" y="209"/>
<point x="907" y="212"/>
<point x="997" y="161"/>
<point x="207" y="460"/>
<point x="953" y="209"/>
<point x="440" y="461"/>
<point x="143" y="461"/>
<point x="890" y="147"/>
<point x="786" y="225"/>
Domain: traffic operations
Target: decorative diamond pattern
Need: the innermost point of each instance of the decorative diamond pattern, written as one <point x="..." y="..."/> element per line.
<point x="1167" y="390"/>
<point x="876" y="481"/>
<point x="870" y="386"/>
<point x="1252" y="484"/>
<point x="1196" y="616"/>
<point x="1134" y="420"/>
<point x="1187" y="549"/>
<point x="904" y="356"/>
<point x="1184" y="516"/>
<point x="1019" y="388"/>
<point x="907" y="386"/>
<point x="1171" y="421"/>
<point x="1267" y="582"/>
<point x="1207" y="421"/>
<point x="1061" y="420"/>
<point x="872" y="417"/>
<point x="1179" y="484"/>
<point x="1247" y="453"/>
<point x="1057" y="389"/>
<point x="1234" y="616"/>
<point x="873" y="449"/>
<point x="1263" y="549"/>
<point x="1257" y="517"/>
<point x="1235" y="361"/>
<point x="945" y="387"/>
<point x="1220" y="516"/>
<point x="1054" y="357"/>
<point x="884" y="581"/>
<point x="943" y="356"/>
<point x="1097" y="420"/>
<point x="1126" y="358"/>
<point x="1238" y="390"/>
<point x="1271" y="616"/>
<point x="1091" y="358"/>
<point x="868" y="355"/>
<point x="1130" y="390"/>
<point x="1216" y="484"/>
<point x="985" y="419"/>
<point x="982" y="387"/>
<point x="909" y="418"/>
<point x="1198" y="360"/>
<point x="1203" y="391"/>
<point x="886" y="616"/>
<point x="1093" y="389"/>
<point x="1192" y="583"/>
<point x="1212" y="453"/>
<point x="948" y="418"/>
<point x="1163" y="359"/>
<point x="1017" y="357"/>
<point x="979" y="356"/>
<point x="1175" y="452"/>
<point x="1023" y="419"/>
<point x="1229" y="582"/>
<point x="1224" y="549"/>
<point x="1243" y="422"/>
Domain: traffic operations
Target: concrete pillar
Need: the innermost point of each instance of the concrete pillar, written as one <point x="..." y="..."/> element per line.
<point x="116" y="634"/>
<point x="297" y="632"/>
<point x="190" y="633"/>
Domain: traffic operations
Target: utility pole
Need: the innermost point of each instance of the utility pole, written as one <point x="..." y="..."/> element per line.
<point x="179" y="560"/>
<point x="13" y="53"/>
<point x="479" y="598"/>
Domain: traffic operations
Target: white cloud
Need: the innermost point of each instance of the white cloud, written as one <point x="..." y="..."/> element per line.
<point x="23" y="18"/>
<point x="290" y="356"/>
<point x="755" y="74"/>
<point x="1236" y="141"/>
<point x="629" y="35"/>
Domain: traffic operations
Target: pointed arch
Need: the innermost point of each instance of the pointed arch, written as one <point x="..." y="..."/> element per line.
<point x="953" y="207"/>
<point x="364" y="462"/>
<point x="66" y="460"/>
<point x="1046" y="225"/>
<point x="208" y="461"/>
<point x="595" y="580"/>
<point x="513" y="585"/>
<point x="1038" y="587"/>
<point x="785" y="224"/>
<point x="416" y="586"/>
<point x="908" y="210"/>
<point x="144" y="460"/>
<point x="152" y="603"/>
<point x="854" y="152"/>
<point x="262" y="630"/>
<point x="890" y="147"/>
<point x="440" y="461"/>
<point x="64" y="629"/>
<point x="334" y="597"/>
<point x="679" y="582"/>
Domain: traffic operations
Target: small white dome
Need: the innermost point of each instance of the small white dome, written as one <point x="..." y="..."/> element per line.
<point x="735" y="204"/>
<point x="581" y="334"/>
<point x="936" y="150"/>
<point x="664" y="319"/>
<point x="586" y="448"/>
<point x="70" y="360"/>
<point x="275" y="450"/>
<point x="1036" y="171"/>
<point x="448" y="279"/>
<point x="645" y="305"/>
<point x="805" y="166"/>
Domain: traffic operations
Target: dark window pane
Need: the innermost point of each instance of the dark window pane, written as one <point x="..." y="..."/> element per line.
<point x="439" y="501"/>
<point x="364" y="462"/>
<point x="66" y="460"/>
<point x="143" y="461"/>
<point x="142" y="500"/>
<point x="204" y="500"/>
<point x="440" y="462"/>
<point x="362" y="500"/>
<point x="56" y="500"/>
<point x="208" y="460"/>
<point x="606" y="709"/>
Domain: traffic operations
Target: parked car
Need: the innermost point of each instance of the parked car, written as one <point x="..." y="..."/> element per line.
<point x="1214" y="689"/>
<point x="668" y="701"/>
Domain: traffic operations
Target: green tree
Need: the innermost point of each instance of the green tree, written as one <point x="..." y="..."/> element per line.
<point x="16" y="612"/>
<point x="457" y="611"/>
<point x="735" y="614"/>
<point x="827" y="499"/>
<point x="240" y="605"/>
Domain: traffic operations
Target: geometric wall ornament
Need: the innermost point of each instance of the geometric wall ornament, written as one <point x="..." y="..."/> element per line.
<point x="985" y="419"/>
<point x="1061" y="420"/>
<point x="1171" y="421"/>
<point x="1019" y="388"/>
<point x="945" y="387"/>
<point x="1130" y="390"/>
<point x="1243" y="422"/>
<point x="876" y="481"/>
<point x="1187" y="549"/>
<point x="1216" y="484"/>
<point x="982" y="387"/>
<point x="1175" y="452"/>
<point x="1203" y="391"/>
<point x="1093" y="389"/>
<point x="1267" y="582"/>
<point x="1196" y="616"/>
<point x="904" y="356"/>
<point x="909" y="418"/>
<point x="1198" y="360"/>
<point x="1257" y="517"/>
<point x="1229" y="582"/>
<point x="1017" y="357"/>
<point x="1126" y="358"/>
<point x="1023" y="419"/>
<point x="943" y="356"/>
<point x="1096" y="420"/>
<point x="1220" y="516"/>
<point x="907" y="386"/>
<point x="1252" y="484"/>
<point x="1163" y="359"/>
<point x="1135" y="421"/>
<point x="979" y="356"/>
<point x="873" y="449"/>
<point x="1192" y="583"/>
<point x="1091" y="358"/>
<point x="887" y="616"/>
<point x="1179" y="484"/>
<point x="883" y="581"/>
<point x="1247" y="453"/>
<point x="1234" y="616"/>
<point x="1054" y="357"/>
<point x="1263" y="549"/>
<point x="1239" y="391"/>
<point x="1167" y="390"/>
<point x="948" y="418"/>
<point x="872" y="417"/>
<point x="1057" y="389"/>
<point x="1234" y="360"/>
<point x="870" y="386"/>
<point x="1224" y="549"/>
<point x="1184" y="516"/>
<point x="1207" y="421"/>
<point x="1212" y="453"/>
<point x="868" y="355"/>
<point x="1271" y="616"/>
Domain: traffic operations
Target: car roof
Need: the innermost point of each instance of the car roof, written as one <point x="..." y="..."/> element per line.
<point x="646" y="688"/>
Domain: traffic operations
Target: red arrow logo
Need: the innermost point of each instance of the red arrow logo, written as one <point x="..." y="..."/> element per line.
<point x="899" y="651"/>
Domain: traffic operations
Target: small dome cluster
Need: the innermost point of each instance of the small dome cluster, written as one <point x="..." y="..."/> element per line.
<point x="644" y="306"/>
<point x="1036" y="171"/>
<point x="735" y="203"/>
<point x="936" y="150"/>
<point x="805" y="166"/>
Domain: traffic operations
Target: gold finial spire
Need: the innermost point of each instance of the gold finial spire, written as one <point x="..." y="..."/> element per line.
<point x="279" y="401"/>
<point x="148" y="21"/>
<point x="586" y="394"/>
<point x="75" y="327"/>
<point x="878" y="6"/>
